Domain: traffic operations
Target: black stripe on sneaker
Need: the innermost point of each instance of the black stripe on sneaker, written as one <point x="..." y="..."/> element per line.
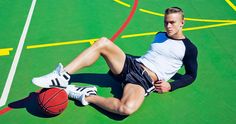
<point x="91" y="91"/>
<point x="78" y="89"/>
<point x="53" y="83"/>
<point x="92" y="94"/>
<point x="58" y="83"/>
<point x="65" y="76"/>
<point x="82" y="88"/>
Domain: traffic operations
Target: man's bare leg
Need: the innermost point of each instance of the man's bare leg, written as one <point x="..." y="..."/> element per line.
<point x="133" y="97"/>
<point x="113" y="55"/>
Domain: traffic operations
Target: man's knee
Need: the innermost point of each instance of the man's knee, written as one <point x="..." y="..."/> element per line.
<point x="126" y="109"/>
<point x="103" y="42"/>
<point x="105" y="45"/>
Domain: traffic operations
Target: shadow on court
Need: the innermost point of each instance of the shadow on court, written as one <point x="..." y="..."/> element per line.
<point x="30" y="103"/>
<point x="101" y="80"/>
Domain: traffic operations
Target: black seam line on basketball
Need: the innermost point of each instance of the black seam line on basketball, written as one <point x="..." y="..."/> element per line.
<point x="57" y="104"/>
<point x="54" y="95"/>
<point x="50" y="113"/>
<point x="44" y="108"/>
<point x="58" y="83"/>
<point x="54" y="106"/>
<point x="43" y="97"/>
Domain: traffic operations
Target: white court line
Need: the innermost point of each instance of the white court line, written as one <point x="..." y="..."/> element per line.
<point x="11" y="74"/>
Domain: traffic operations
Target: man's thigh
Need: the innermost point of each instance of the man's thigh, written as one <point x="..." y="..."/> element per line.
<point x="133" y="96"/>
<point x="114" y="56"/>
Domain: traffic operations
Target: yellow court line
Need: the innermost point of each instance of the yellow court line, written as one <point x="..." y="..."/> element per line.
<point x="231" y="4"/>
<point x="138" y="35"/>
<point x="122" y="3"/>
<point x="151" y="12"/>
<point x="188" y="19"/>
<point x="209" y="26"/>
<point x="5" y="51"/>
<point x="185" y="29"/>
<point x="91" y="41"/>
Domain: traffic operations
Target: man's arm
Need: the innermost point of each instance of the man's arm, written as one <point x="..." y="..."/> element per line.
<point x="190" y="64"/>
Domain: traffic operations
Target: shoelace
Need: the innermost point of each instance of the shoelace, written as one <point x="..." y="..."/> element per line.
<point x="74" y="95"/>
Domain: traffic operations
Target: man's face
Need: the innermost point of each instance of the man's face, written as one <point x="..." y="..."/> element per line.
<point x="173" y="24"/>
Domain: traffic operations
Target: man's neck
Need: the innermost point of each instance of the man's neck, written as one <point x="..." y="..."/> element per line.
<point x="178" y="35"/>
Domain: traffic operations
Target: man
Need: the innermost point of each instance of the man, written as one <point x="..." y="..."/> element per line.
<point x="139" y="76"/>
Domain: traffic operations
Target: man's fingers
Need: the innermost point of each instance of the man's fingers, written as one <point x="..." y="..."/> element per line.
<point x="158" y="82"/>
<point x="159" y="90"/>
<point x="157" y="85"/>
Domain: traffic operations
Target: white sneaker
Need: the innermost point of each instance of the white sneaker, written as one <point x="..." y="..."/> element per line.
<point x="58" y="78"/>
<point x="79" y="93"/>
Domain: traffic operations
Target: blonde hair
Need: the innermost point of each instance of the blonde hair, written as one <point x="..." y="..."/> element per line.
<point x="174" y="10"/>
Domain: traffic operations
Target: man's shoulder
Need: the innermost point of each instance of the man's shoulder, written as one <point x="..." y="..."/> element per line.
<point x="189" y="44"/>
<point x="191" y="49"/>
<point x="160" y="37"/>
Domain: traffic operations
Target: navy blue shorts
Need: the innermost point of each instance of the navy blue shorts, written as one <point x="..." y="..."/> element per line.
<point x="134" y="73"/>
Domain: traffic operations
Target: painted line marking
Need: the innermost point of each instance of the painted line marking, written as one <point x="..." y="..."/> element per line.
<point x="62" y="43"/>
<point x="185" y="29"/>
<point x="188" y="19"/>
<point x="122" y="3"/>
<point x="151" y="12"/>
<point x="209" y="26"/>
<point x="5" y="110"/>
<point x="91" y="41"/>
<point x="231" y="4"/>
<point x="8" y="108"/>
<point x="11" y="74"/>
<point x="5" y="51"/>
<point x="124" y="25"/>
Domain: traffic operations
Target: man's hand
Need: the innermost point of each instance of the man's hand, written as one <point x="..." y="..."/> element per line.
<point x="162" y="86"/>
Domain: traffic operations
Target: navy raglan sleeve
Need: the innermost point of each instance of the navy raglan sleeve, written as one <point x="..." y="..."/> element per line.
<point x="190" y="65"/>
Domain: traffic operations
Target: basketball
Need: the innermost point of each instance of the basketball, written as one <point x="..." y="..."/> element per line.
<point x="52" y="101"/>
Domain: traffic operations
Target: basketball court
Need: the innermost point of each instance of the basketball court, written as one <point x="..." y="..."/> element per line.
<point x="37" y="35"/>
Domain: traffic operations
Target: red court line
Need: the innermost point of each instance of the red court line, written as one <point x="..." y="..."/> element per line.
<point x="124" y="25"/>
<point x="126" y="21"/>
<point x="5" y="110"/>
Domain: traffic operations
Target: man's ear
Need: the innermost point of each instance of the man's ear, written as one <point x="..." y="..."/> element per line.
<point x="182" y="23"/>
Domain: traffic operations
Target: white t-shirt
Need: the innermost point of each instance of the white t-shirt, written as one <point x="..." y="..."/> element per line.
<point x="165" y="56"/>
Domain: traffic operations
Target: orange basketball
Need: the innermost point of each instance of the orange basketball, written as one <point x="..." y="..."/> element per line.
<point x="53" y="101"/>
